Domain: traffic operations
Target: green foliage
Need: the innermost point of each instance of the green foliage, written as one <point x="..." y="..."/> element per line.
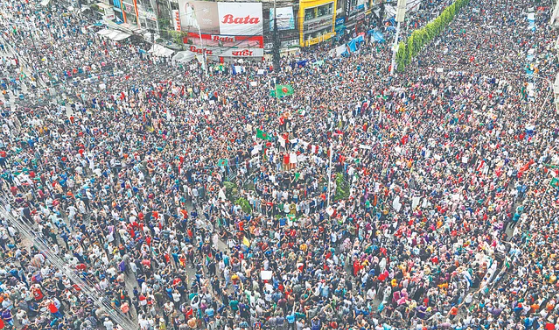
<point x="342" y="188"/>
<point x="177" y="36"/>
<point x="420" y="38"/>
<point x="401" y="55"/>
<point x="230" y="190"/>
<point x="244" y="204"/>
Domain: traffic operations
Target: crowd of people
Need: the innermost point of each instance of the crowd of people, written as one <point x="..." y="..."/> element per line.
<point x="364" y="200"/>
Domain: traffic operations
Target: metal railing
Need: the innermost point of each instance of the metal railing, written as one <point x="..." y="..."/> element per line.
<point x="101" y="302"/>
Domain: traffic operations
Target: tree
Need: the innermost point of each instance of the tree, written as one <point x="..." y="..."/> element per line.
<point x="421" y="37"/>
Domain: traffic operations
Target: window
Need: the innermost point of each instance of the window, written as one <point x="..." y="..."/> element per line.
<point x="320" y="11"/>
<point x="340" y="4"/>
<point x="310" y="13"/>
<point x="325" y="10"/>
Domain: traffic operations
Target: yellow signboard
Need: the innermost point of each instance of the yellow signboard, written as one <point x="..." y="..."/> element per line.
<point x="306" y="4"/>
<point x="314" y="41"/>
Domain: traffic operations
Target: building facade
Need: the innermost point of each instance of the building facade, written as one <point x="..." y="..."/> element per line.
<point x="243" y="29"/>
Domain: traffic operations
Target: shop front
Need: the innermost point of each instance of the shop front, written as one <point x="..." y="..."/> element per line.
<point x="119" y="13"/>
<point x="317" y="19"/>
<point x="130" y="12"/>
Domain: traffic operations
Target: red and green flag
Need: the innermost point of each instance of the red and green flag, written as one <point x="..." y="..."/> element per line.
<point x="554" y="183"/>
<point x="260" y="134"/>
<point x="282" y="90"/>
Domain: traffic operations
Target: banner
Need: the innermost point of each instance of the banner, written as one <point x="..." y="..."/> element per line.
<point x="240" y="19"/>
<point x="176" y="20"/>
<point x="218" y="40"/>
<point x="285" y="18"/>
<point x="340" y="50"/>
<point x="227" y="52"/>
<point x="228" y="18"/>
<point x="201" y="15"/>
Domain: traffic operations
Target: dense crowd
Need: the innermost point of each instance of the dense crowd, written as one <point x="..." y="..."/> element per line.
<point x="422" y="200"/>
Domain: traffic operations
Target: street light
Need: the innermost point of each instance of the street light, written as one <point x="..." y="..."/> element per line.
<point x="276" y="42"/>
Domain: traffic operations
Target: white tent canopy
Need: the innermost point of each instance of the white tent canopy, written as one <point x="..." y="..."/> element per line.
<point x="121" y="36"/>
<point x="159" y="50"/>
<point x="184" y="57"/>
<point x="104" y="32"/>
<point x="113" y="34"/>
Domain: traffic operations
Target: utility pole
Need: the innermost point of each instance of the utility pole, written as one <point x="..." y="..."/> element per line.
<point x="204" y="60"/>
<point x="276" y="43"/>
<point x="400" y="14"/>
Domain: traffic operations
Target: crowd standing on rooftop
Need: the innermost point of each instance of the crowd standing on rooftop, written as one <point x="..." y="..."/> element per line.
<point x="157" y="187"/>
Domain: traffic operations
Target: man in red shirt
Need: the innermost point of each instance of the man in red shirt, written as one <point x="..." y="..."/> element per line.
<point x="53" y="309"/>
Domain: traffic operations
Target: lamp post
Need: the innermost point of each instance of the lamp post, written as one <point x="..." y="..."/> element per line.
<point x="400" y="14"/>
<point x="276" y="43"/>
<point x="204" y="63"/>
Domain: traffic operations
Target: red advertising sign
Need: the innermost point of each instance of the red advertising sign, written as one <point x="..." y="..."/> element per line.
<point x="213" y="40"/>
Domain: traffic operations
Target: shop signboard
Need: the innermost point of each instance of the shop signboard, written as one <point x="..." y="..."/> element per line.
<point x="228" y="18"/>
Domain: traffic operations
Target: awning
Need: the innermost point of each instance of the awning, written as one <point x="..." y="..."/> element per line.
<point x="121" y="36"/>
<point x="132" y="28"/>
<point x="113" y="34"/>
<point x="159" y="50"/>
<point x="104" y="32"/>
<point x="184" y="57"/>
<point x="103" y="5"/>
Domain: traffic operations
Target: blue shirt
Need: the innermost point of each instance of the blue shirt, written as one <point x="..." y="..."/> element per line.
<point x="290" y="318"/>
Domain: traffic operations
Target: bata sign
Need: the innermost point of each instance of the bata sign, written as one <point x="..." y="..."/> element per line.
<point x="227" y="18"/>
<point x="230" y="19"/>
<point x="240" y="18"/>
<point x="216" y="40"/>
<point x="223" y="38"/>
<point x="227" y="52"/>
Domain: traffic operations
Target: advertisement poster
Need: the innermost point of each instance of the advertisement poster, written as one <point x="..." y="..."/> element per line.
<point x="201" y="15"/>
<point x="176" y="20"/>
<point x="221" y="18"/>
<point x="215" y="52"/>
<point x="214" y="40"/>
<point x="286" y="20"/>
<point x="240" y="19"/>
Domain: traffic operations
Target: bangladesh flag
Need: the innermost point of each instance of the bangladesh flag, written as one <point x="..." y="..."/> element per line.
<point x="282" y="90"/>
<point x="222" y="162"/>
<point x="260" y="134"/>
<point x="554" y="182"/>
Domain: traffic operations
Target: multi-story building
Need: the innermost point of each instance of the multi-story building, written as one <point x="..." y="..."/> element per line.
<point x="243" y="29"/>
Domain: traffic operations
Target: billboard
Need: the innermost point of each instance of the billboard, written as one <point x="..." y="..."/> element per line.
<point x="240" y="18"/>
<point x="216" y="52"/>
<point x="201" y="15"/>
<point x="218" y="40"/>
<point x="285" y="18"/>
<point x="233" y="19"/>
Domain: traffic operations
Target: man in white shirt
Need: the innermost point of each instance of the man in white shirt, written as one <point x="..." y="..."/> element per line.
<point x="109" y="325"/>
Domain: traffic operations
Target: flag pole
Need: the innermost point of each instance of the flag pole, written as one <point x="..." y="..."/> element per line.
<point x="276" y="92"/>
<point x="329" y="175"/>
